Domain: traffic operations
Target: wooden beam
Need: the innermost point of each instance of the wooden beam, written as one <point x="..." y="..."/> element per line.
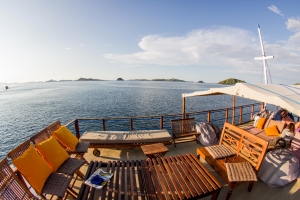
<point x="162" y="122"/>
<point x="252" y="112"/>
<point x="183" y="107"/>
<point x="208" y="116"/>
<point x="77" y="129"/>
<point x="103" y="124"/>
<point x="131" y="124"/>
<point x="233" y="108"/>
<point x="241" y="114"/>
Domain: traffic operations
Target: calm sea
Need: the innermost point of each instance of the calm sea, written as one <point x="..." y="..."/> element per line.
<point x="27" y="108"/>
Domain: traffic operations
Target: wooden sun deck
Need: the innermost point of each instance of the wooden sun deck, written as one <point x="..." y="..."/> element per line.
<point x="259" y="191"/>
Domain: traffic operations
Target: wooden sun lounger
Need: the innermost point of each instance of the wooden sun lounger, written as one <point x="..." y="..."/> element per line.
<point x="124" y="139"/>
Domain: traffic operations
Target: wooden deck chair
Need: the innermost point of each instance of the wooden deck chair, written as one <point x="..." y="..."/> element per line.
<point x="81" y="147"/>
<point x="184" y="129"/>
<point x="11" y="186"/>
<point x="55" y="184"/>
<point x="69" y="166"/>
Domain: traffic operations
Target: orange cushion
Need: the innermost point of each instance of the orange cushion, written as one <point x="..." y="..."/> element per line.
<point x="33" y="167"/>
<point x="261" y="122"/>
<point x="272" y="131"/>
<point x="52" y="153"/>
<point x="66" y="137"/>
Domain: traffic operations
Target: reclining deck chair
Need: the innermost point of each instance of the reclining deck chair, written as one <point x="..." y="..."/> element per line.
<point x="184" y="128"/>
<point x="70" y="166"/>
<point x="11" y="186"/>
<point x="55" y="184"/>
<point x="81" y="147"/>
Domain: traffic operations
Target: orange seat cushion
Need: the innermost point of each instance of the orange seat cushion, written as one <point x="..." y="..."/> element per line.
<point x="66" y="137"/>
<point x="33" y="167"/>
<point x="272" y="131"/>
<point x="52" y="153"/>
<point x="261" y="122"/>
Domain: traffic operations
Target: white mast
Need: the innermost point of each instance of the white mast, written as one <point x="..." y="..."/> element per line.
<point x="264" y="58"/>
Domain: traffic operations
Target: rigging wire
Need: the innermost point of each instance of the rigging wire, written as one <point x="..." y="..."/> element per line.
<point x="269" y="72"/>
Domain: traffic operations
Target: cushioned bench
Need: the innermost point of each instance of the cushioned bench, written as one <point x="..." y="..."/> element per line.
<point x="119" y="139"/>
<point x="262" y="134"/>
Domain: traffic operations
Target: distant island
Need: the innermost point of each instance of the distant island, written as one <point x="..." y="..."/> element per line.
<point x="51" y="80"/>
<point x="139" y="80"/>
<point x="200" y="82"/>
<point x="231" y="81"/>
<point x="171" y="79"/>
<point x="88" y="79"/>
<point x="297" y="84"/>
<point x="120" y="79"/>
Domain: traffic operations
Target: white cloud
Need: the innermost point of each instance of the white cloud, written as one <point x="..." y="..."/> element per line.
<point x="224" y="48"/>
<point x="218" y="46"/>
<point x="293" y="24"/>
<point x="275" y="10"/>
<point x="68" y="48"/>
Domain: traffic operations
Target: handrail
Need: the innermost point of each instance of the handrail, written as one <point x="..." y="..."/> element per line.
<point x="162" y="121"/>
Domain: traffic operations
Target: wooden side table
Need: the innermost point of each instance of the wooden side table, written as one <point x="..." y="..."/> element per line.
<point x="156" y="150"/>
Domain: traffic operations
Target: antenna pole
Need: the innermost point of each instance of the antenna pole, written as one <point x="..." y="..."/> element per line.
<point x="264" y="58"/>
<point x="263" y="55"/>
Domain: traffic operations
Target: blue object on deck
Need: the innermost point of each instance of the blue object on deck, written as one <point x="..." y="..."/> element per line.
<point x="96" y="180"/>
<point x="278" y="117"/>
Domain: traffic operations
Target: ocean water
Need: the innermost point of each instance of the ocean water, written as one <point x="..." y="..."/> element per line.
<point x="27" y="108"/>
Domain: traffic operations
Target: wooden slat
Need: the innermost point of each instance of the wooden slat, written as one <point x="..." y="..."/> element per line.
<point x="128" y="188"/>
<point x="83" y="186"/>
<point x="167" y="176"/>
<point x="134" y="186"/>
<point x="111" y="183"/>
<point x="92" y="190"/>
<point x="214" y="183"/>
<point x="104" y="189"/>
<point x="189" y="181"/>
<point x="170" y="170"/>
<point x="201" y="174"/>
<point x="158" y="182"/>
<point x="148" y="184"/>
<point x="179" y="177"/>
<point x="140" y="180"/>
<point x="199" y="187"/>
<point x="123" y="180"/>
<point x="117" y="184"/>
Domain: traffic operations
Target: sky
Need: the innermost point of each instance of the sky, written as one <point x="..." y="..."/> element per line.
<point x="191" y="40"/>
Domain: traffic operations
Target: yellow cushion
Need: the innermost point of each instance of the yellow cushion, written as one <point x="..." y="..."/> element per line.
<point x="52" y="153"/>
<point x="66" y="137"/>
<point x="272" y="131"/>
<point x="261" y="122"/>
<point x="33" y="167"/>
